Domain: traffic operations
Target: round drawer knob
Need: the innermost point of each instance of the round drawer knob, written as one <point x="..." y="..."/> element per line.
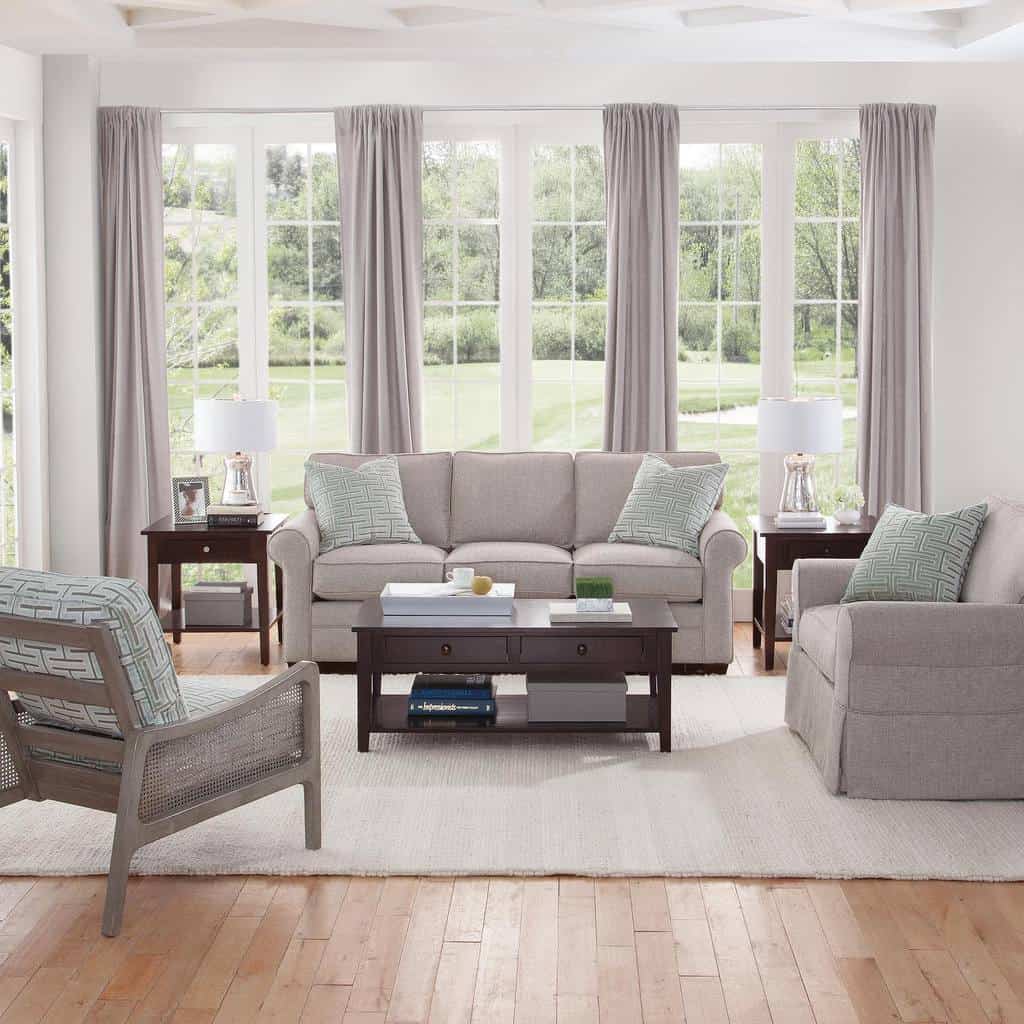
<point x="206" y="549"/>
<point x="581" y="649"/>
<point x="446" y="649"/>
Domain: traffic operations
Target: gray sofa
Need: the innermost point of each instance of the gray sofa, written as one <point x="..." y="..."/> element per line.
<point x="536" y="518"/>
<point x="905" y="700"/>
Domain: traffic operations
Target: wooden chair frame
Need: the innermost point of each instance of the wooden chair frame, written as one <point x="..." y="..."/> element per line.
<point x="145" y="779"/>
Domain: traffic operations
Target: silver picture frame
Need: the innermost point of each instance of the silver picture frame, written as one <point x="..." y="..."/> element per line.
<point x="190" y="499"/>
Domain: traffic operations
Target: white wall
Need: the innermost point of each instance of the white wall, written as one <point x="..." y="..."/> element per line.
<point x="979" y="264"/>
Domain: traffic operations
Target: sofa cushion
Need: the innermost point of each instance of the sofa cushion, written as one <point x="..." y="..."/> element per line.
<point x="996" y="572"/>
<point x="916" y="557"/>
<point x="669" y="507"/>
<point x="124" y="606"/>
<point x="818" y="634"/>
<point x="640" y="571"/>
<point x="359" y="506"/>
<point x="537" y="570"/>
<point x="361" y="572"/>
<point x="603" y="482"/>
<point x="513" y="496"/>
<point x="426" y="486"/>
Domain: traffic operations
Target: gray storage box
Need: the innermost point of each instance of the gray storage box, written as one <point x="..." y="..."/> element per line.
<point x="581" y="696"/>
<point x="218" y="604"/>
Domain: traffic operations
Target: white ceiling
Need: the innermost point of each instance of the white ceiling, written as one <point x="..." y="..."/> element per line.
<point x="578" y="30"/>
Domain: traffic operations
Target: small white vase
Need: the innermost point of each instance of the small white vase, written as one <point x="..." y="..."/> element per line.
<point x="848" y="516"/>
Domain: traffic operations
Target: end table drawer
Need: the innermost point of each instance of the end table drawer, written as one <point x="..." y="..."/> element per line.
<point x="214" y="549"/>
<point x="583" y="649"/>
<point x="456" y="650"/>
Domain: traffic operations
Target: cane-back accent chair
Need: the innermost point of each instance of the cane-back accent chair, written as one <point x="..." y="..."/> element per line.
<point x="96" y="717"/>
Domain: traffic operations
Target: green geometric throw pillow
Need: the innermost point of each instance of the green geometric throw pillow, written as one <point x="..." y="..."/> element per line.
<point x="669" y="507"/>
<point x="916" y="557"/>
<point x="359" y="506"/>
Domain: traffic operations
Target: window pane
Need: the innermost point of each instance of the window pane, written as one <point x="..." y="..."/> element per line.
<point x="439" y="395"/>
<point x="477" y="181"/>
<point x="438" y="336"/>
<point x="848" y="339"/>
<point x="589" y="191"/>
<point x="437" y="181"/>
<point x="851" y="177"/>
<point x="216" y="263"/>
<point x="698" y="183"/>
<point x="552" y="340"/>
<point x="591" y="324"/>
<point x="552" y="263"/>
<point x="851" y="258"/>
<point x="741" y="182"/>
<point x="178" y="263"/>
<point x="177" y="174"/>
<point x="287" y="262"/>
<point x="817" y="178"/>
<point x="814" y="339"/>
<point x="552" y="183"/>
<point x="552" y="415"/>
<point x="478" y="414"/>
<point x="325" y="183"/>
<point x="327" y="264"/>
<point x="741" y="264"/>
<point x="478" y="263"/>
<point x="477" y="334"/>
<point x="437" y="261"/>
<point x="286" y="182"/>
<point x="591" y="256"/>
<point x="5" y="267"/>
<point x="741" y="338"/>
<point x="289" y="336"/>
<point x="698" y="338"/>
<point x="698" y="264"/>
<point x="4" y="171"/>
<point x="213" y="186"/>
<point x="329" y="335"/>
<point x="217" y="338"/>
<point x="816" y="261"/>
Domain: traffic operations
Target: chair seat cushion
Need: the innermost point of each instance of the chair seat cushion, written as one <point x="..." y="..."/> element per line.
<point x="123" y="606"/>
<point x="818" y="634"/>
<point x="359" y="572"/>
<point x="537" y="570"/>
<point x="640" y="571"/>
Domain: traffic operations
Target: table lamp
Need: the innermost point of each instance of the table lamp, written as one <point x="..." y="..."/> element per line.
<point x="238" y="427"/>
<point x="799" y="428"/>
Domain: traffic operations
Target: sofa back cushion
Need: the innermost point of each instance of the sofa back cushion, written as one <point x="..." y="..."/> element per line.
<point x="426" y="487"/>
<point x="513" y="496"/>
<point x="996" y="572"/>
<point x="124" y="606"/>
<point x="604" y="481"/>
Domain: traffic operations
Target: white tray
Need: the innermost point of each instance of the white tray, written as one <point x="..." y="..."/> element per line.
<point x="420" y="599"/>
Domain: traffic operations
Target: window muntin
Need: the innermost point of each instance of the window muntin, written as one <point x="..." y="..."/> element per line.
<point x="720" y="215"/>
<point x="826" y="248"/>
<point x="8" y="477"/>
<point x="305" y="312"/>
<point x="462" y="294"/>
<point x="569" y="296"/>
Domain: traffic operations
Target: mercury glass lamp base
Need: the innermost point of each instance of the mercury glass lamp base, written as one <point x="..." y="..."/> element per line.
<point x="239" y="488"/>
<point x="798" y="491"/>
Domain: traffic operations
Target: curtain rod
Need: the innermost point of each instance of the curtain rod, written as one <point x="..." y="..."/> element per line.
<point x="510" y="108"/>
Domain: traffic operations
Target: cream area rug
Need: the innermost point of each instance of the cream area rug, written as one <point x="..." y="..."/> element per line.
<point x="738" y="796"/>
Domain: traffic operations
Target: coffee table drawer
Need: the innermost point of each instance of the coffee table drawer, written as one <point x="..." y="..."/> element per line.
<point x="457" y="650"/>
<point x="537" y="650"/>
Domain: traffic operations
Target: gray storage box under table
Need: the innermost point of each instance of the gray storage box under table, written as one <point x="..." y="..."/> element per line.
<point x="219" y="604"/>
<point x="590" y="696"/>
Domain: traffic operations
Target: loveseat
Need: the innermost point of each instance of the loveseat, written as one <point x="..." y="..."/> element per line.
<point x="539" y="519"/>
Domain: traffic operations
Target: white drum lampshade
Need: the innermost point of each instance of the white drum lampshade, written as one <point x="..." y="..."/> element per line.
<point x="800" y="428"/>
<point x="236" y="428"/>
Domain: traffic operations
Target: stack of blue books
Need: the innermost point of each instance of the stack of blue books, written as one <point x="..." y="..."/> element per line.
<point x="438" y="695"/>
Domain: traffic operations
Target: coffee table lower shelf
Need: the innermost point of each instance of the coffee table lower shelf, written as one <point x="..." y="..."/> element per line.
<point x="390" y="714"/>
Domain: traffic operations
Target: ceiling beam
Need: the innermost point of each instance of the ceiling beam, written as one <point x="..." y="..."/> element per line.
<point x="715" y="17"/>
<point x="982" y="22"/>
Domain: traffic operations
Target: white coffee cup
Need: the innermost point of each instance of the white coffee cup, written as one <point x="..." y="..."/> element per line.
<point x="461" y="577"/>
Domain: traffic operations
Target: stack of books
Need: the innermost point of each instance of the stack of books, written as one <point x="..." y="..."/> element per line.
<point x="234" y="515"/>
<point x="800" y="521"/>
<point x="442" y="696"/>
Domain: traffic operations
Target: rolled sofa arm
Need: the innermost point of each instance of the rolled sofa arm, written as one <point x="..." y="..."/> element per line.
<point x="722" y="548"/>
<point x="816" y="582"/>
<point x="294" y="547"/>
<point x="896" y="657"/>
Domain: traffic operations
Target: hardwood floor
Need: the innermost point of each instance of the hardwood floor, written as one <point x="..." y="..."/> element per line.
<point x="519" y="950"/>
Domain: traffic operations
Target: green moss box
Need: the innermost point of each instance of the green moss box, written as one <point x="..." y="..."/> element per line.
<point x="594" y="587"/>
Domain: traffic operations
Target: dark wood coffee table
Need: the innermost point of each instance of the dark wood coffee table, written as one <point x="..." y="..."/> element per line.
<point x="525" y="642"/>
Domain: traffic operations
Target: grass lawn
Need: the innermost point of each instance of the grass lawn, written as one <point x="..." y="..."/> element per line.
<point x="567" y="414"/>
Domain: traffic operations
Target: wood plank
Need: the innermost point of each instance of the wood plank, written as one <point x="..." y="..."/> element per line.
<point x="618" y="985"/>
<point x="704" y="1001"/>
<point x="577" y="937"/>
<point x="913" y="996"/>
<point x="837" y="920"/>
<point x="744" y="994"/>
<point x="695" y="952"/>
<point x="33" y="1001"/>
<point x="614" y="912"/>
<point x="134" y="978"/>
<point x="868" y="992"/>
<point x="322" y="908"/>
<point x="293" y="982"/>
<point x="957" y="998"/>
<point x="660" y="994"/>
<point x="466" y="914"/>
<point x="213" y="979"/>
<point x="255" y="897"/>
<point x="105" y="1012"/>
<point x="817" y="968"/>
<point x="452" y="1001"/>
<point x="575" y="1009"/>
<point x="650" y="905"/>
<point x="12" y="890"/>
<point x="538" y="953"/>
<point x="352" y="926"/>
<point x="417" y="969"/>
<point x="375" y="976"/>
<point x="685" y="899"/>
<point x="494" y="996"/>
<point x="325" y="1004"/>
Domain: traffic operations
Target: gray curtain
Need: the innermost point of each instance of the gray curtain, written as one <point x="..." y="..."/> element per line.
<point x="895" y="359"/>
<point x="138" y="459"/>
<point x="641" y="153"/>
<point x="380" y="151"/>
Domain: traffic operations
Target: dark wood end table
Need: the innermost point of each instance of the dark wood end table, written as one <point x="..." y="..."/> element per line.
<point x="524" y="642"/>
<point x="776" y="549"/>
<point x="177" y="545"/>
